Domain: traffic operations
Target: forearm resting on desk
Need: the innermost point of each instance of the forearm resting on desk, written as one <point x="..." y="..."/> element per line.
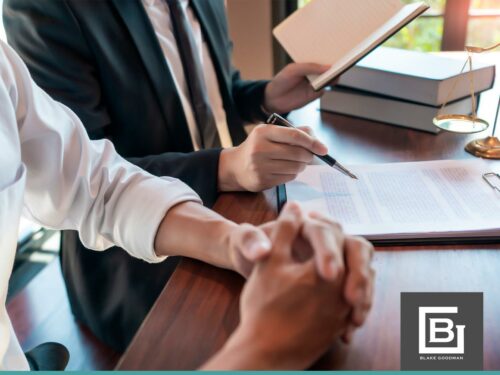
<point x="191" y="230"/>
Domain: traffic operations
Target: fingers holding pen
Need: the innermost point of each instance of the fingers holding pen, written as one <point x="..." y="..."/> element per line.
<point x="295" y="137"/>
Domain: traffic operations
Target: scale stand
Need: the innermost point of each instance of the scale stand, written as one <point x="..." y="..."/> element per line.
<point x="489" y="147"/>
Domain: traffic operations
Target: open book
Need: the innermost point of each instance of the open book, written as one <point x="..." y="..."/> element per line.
<point x="341" y="32"/>
<point x="405" y="201"/>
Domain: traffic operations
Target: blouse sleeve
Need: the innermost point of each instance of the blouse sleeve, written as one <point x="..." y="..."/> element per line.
<point x="75" y="183"/>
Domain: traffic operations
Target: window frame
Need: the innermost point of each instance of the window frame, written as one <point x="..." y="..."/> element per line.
<point x="457" y="15"/>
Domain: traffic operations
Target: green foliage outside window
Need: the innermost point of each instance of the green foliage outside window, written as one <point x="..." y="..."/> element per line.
<point x="426" y="32"/>
<point x="423" y="34"/>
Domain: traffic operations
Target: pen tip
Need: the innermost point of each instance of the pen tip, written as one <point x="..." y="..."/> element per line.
<point x="354" y="177"/>
<point x="345" y="171"/>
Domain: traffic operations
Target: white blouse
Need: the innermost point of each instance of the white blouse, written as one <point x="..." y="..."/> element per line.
<point x="53" y="174"/>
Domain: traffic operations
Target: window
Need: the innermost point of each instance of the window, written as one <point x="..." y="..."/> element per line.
<point x="423" y="34"/>
<point x="483" y="23"/>
<point x="449" y="25"/>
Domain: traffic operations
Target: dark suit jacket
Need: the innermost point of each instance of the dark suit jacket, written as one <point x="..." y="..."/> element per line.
<point x="102" y="59"/>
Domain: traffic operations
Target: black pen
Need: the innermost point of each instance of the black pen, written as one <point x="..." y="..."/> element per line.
<point x="276" y="119"/>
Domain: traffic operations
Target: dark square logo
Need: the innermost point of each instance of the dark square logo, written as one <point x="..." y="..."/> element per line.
<point x="441" y="331"/>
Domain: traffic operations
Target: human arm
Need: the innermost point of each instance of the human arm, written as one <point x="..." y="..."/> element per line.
<point x="105" y="150"/>
<point x="270" y="156"/>
<point x="289" y="314"/>
<point x="286" y="91"/>
<point x="76" y="74"/>
<point x="62" y="59"/>
<point x="75" y="183"/>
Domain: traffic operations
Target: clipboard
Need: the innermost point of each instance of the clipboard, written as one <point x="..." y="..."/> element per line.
<point x="491" y="178"/>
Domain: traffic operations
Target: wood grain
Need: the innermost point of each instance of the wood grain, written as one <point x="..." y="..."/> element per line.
<point x="198" y="308"/>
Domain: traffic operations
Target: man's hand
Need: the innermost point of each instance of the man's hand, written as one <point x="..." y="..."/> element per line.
<point x="334" y="253"/>
<point x="247" y="245"/>
<point x="238" y="247"/>
<point x="271" y="155"/>
<point x="358" y="290"/>
<point x="289" y="314"/>
<point x="290" y="88"/>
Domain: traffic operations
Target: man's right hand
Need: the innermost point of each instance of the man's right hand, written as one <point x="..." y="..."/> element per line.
<point x="290" y="312"/>
<point x="290" y="315"/>
<point x="270" y="156"/>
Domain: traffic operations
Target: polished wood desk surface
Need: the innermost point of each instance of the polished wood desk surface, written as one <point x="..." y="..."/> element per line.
<point x="198" y="309"/>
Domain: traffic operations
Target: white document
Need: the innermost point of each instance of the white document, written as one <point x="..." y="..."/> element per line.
<point x="404" y="200"/>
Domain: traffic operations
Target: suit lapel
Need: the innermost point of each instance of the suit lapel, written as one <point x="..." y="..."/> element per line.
<point x="142" y="33"/>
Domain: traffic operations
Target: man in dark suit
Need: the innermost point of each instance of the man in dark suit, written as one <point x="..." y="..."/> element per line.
<point x="155" y="77"/>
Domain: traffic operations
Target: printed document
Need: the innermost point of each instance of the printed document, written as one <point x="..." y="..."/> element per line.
<point x="404" y="200"/>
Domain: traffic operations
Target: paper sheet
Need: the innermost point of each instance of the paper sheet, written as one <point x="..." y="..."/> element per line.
<point x="404" y="200"/>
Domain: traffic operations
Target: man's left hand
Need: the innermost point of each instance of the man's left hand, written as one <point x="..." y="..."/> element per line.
<point x="290" y="88"/>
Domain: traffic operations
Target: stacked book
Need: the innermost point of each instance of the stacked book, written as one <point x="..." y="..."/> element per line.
<point x="407" y="88"/>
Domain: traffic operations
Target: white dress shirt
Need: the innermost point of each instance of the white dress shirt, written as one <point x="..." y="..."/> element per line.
<point x="159" y="15"/>
<point x="53" y="174"/>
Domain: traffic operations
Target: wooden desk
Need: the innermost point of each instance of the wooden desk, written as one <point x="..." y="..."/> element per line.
<point x="198" y="309"/>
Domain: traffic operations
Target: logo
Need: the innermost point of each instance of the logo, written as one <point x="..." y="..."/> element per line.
<point x="434" y="330"/>
<point x="441" y="331"/>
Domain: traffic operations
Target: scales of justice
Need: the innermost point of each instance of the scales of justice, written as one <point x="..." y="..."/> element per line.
<point x="488" y="147"/>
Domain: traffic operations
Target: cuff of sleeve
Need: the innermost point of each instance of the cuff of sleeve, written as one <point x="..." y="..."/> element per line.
<point x="149" y="204"/>
<point x="248" y="97"/>
<point x="261" y="114"/>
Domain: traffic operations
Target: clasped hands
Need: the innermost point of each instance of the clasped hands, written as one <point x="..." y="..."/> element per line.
<point x="308" y="284"/>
